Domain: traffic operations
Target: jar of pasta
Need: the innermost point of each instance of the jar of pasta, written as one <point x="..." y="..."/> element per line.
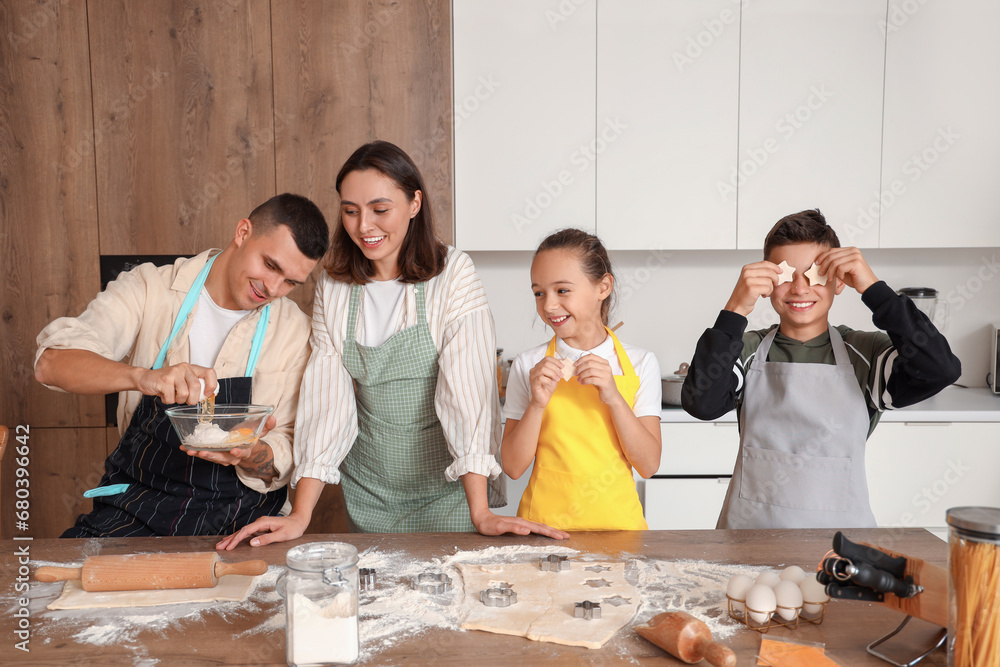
<point x="320" y="588"/>
<point x="974" y="586"/>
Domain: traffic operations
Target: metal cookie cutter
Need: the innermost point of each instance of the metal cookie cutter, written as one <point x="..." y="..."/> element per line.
<point x="588" y="610"/>
<point x="366" y="578"/>
<point x="553" y="563"/>
<point x="498" y="597"/>
<point x="432" y="582"/>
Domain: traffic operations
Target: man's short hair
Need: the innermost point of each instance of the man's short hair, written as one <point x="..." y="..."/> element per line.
<point x="302" y="217"/>
<point x="802" y="227"/>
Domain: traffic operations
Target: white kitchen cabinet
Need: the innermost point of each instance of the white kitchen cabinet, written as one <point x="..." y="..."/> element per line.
<point x="810" y="127"/>
<point x="942" y="137"/>
<point x="524" y="93"/>
<point x="917" y="470"/>
<point x="668" y="73"/>
<point x="696" y="464"/>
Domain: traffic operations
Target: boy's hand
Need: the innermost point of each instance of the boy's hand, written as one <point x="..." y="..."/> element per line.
<point x="756" y="280"/>
<point x="849" y="266"/>
<point x="543" y="379"/>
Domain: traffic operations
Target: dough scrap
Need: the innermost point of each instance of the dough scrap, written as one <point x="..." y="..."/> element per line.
<point x="231" y="588"/>
<point x="546" y="602"/>
<point x="814" y="276"/>
<point x="786" y="272"/>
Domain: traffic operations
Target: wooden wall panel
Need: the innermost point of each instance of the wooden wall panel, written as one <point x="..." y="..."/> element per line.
<point x="350" y="71"/>
<point x="64" y="462"/>
<point x="48" y="206"/>
<point x="184" y="120"/>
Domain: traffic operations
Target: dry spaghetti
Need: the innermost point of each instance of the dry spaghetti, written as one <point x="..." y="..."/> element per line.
<point x="975" y="581"/>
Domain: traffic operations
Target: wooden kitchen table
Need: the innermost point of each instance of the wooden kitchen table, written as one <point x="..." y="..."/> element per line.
<point x="211" y="639"/>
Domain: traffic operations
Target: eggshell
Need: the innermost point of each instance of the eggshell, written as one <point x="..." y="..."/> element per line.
<point x="813" y="594"/>
<point x="793" y="573"/>
<point x="767" y="578"/>
<point x="737" y="589"/>
<point x="788" y="596"/>
<point x="760" y="598"/>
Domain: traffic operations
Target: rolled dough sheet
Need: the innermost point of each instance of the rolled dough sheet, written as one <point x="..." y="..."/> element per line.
<point x="546" y="601"/>
<point x="232" y="587"/>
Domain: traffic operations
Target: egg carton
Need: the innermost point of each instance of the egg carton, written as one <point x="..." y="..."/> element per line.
<point x="774" y="619"/>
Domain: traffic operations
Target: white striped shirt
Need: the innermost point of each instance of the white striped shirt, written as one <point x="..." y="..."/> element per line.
<point x="466" y="398"/>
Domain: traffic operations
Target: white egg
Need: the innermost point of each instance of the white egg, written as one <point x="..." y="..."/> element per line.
<point x="814" y="595"/>
<point x="737" y="589"/>
<point x="793" y="573"/>
<point x="760" y="599"/>
<point x="789" y="598"/>
<point x="768" y="578"/>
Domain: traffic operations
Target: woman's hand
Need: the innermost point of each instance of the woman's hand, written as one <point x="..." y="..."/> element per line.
<point x="488" y="523"/>
<point x="268" y="529"/>
<point x="543" y="379"/>
<point x="594" y="370"/>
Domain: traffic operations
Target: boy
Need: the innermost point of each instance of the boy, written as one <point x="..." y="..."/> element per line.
<point x="808" y="395"/>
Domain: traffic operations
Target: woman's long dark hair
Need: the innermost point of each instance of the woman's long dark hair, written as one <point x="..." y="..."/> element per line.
<point x="422" y="255"/>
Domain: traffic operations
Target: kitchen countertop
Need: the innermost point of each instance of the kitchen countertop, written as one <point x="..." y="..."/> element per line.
<point x="954" y="404"/>
<point x="216" y="637"/>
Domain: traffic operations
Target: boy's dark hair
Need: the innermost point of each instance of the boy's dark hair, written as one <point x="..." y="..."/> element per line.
<point x="422" y="255"/>
<point x="802" y="227"/>
<point x="302" y="217"/>
<point x="593" y="255"/>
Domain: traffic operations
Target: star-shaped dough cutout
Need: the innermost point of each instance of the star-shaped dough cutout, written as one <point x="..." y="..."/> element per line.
<point x="786" y="272"/>
<point x="814" y="276"/>
<point x="567" y="368"/>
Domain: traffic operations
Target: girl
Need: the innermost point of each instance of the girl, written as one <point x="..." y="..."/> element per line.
<point x="399" y="399"/>
<point x="584" y="406"/>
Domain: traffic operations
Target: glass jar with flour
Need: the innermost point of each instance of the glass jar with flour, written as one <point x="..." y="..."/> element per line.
<point x="320" y="588"/>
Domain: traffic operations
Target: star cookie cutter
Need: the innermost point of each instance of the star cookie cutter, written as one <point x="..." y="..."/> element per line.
<point x="587" y="610"/>
<point x="553" y="563"/>
<point x="432" y="582"/>
<point x="502" y="596"/>
<point x="366" y="578"/>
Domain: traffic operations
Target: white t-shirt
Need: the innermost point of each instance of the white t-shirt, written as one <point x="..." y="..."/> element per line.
<point x="647" y="398"/>
<point x="209" y="329"/>
<point x="381" y="310"/>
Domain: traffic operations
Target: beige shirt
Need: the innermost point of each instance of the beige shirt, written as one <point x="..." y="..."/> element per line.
<point x="131" y="319"/>
<point x="466" y="398"/>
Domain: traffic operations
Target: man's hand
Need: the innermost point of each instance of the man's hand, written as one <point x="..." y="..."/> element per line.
<point x="176" y="384"/>
<point x="257" y="461"/>
<point x="849" y="266"/>
<point x="757" y="280"/>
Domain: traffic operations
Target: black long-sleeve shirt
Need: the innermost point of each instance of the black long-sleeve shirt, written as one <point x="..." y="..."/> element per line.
<point x="906" y="363"/>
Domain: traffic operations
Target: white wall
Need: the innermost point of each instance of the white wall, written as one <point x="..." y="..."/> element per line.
<point x="667" y="299"/>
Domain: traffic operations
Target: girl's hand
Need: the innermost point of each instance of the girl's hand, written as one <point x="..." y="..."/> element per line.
<point x="756" y="280"/>
<point x="594" y="370"/>
<point x="265" y="530"/>
<point x="543" y="379"/>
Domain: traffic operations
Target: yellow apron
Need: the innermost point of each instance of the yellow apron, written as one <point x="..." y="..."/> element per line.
<point x="581" y="479"/>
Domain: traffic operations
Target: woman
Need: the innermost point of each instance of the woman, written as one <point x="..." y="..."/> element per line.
<point x="398" y="401"/>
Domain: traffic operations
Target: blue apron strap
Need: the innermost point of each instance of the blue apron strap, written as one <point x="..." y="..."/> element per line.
<point x="258" y="340"/>
<point x="186" y="306"/>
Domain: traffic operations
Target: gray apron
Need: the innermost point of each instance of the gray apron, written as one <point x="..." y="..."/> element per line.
<point x="803" y="429"/>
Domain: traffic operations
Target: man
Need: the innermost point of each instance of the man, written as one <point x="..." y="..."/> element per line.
<point x="156" y="335"/>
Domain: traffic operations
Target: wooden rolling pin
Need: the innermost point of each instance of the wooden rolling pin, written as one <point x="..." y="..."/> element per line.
<point x="150" y="571"/>
<point x="685" y="637"/>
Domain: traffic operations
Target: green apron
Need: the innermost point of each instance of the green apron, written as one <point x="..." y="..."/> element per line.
<point x="393" y="477"/>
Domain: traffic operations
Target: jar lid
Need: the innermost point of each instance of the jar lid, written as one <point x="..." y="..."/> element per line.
<point x="919" y="292"/>
<point x="320" y="556"/>
<point x="985" y="520"/>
